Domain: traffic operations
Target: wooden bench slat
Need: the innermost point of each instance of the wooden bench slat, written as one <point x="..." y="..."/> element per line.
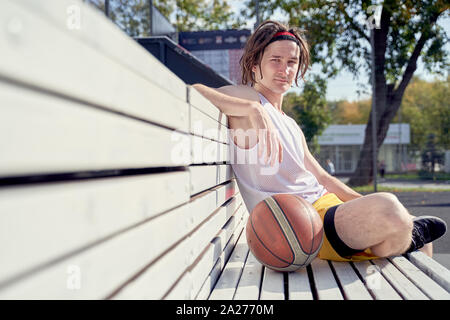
<point x="225" y="287"/>
<point x="156" y="280"/>
<point x="111" y="263"/>
<point x="216" y="255"/>
<point x="93" y="218"/>
<point x="197" y="100"/>
<point x="250" y="282"/>
<point x="432" y="268"/>
<point x="52" y="135"/>
<point x="213" y="262"/>
<point x="105" y="36"/>
<point x="377" y="285"/>
<point x="204" y="126"/>
<point x="207" y="176"/>
<point x="209" y="265"/>
<point x="225" y="191"/>
<point x="208" y="151"/>
<point x="103" y="269"/>
<point x="225" y="152"/>
<point x="272" y="287"/>
<point x="299" y="286"/>
<point x="84" y="64"/>
<point x="401" y="284"/>
<point x="420" y="279"/>
<point x="352" y="286"/>
<point x="93" y="139"/>
<point x="206" y="202"/>
<point x="325" y="284"/>
<point x="80" y="213"/>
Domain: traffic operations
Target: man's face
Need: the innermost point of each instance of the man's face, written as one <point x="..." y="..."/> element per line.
<point x="279" y="66"/>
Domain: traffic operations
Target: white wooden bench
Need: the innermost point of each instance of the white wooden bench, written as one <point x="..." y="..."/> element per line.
<point x="415" y="277"/>
<point x="115" y="179"/>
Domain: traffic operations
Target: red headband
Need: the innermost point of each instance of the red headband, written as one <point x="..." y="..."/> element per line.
<point x="284" y="35"/>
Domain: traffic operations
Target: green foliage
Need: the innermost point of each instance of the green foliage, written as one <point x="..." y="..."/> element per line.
<point x="195" y="15"/>
<point x="367" y="189"/>
<point x="337" y="32"/>
<point x="340" y="33"/>
<point x="132" y="16"/>
<point x="419" y="175"/>
<point x="350" y="112"/>
<point x="426" y="107"/>
<point x="436" y="176"/>
<point x="310" y="110"/>
<point x="431" y="154"/>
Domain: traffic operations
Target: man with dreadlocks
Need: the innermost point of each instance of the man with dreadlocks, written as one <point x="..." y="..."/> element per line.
<point x="356" y="227"/>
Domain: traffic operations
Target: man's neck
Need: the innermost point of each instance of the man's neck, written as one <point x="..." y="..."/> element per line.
<point x="275" y="99"/>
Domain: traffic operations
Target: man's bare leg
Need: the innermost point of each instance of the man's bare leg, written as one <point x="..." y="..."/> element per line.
<point x="377" y="221"/>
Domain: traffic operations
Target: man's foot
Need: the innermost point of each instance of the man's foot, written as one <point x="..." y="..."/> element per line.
<point x="426" y="229"/>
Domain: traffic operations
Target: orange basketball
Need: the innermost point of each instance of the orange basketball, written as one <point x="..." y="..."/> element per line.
<point x="284" y="232"/>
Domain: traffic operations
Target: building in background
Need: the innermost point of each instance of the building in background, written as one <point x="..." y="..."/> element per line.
<point x="342" y="144"/>
<point x="220" y="49"/>
<point x="447" y="161"/>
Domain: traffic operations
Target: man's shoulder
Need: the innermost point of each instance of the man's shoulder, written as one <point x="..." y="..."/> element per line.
<point x="240" y="91"/>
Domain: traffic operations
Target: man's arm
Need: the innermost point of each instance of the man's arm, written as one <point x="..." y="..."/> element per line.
<point x="226" y="100"/>
<point x="331" y="183"/>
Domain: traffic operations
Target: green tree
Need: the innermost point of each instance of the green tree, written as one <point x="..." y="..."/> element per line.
<point x="340" y="39"/>
<point x="350" y="112"/>
<point x="426" y="107"/>
<point x="431" y="155"/>
<point x="195" y="15"/>
<point x="132" y="16"/>
<point x="310" y="110"/>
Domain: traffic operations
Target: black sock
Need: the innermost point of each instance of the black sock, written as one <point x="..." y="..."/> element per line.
<point x="330" y="231"/>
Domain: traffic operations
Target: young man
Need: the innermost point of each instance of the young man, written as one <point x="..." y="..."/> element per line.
<point x="356" y="227"/>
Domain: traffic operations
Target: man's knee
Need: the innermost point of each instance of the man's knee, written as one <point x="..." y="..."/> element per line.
<point x="394" y="214"/>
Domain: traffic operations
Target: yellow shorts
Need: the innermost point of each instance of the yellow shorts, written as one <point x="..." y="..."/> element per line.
<point x="327" y="252"/>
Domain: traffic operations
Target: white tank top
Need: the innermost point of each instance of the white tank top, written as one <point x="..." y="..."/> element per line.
<point x="257" y="180"/>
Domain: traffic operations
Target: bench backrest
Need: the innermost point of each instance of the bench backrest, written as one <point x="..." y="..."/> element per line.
<point x="115" y="179"/>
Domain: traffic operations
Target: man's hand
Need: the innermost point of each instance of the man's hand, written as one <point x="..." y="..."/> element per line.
<point x="237" y="101"/>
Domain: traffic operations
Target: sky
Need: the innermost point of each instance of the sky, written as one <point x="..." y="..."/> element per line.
<point x="343" y="86"/>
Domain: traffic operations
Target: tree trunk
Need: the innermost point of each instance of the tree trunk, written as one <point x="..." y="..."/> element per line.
<point x="388" y="99"/>
<point x="364" y="169"/>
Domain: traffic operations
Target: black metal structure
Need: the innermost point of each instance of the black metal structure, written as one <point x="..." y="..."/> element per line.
<point x="181" y="62"/>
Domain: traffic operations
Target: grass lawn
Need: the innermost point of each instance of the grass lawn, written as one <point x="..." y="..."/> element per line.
<point x="416" y="176"/>
<point x="369" y="189"/>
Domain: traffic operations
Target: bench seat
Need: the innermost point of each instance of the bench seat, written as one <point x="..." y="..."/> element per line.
<point x="410" y="277"/>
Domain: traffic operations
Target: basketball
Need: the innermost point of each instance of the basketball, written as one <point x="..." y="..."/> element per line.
<point x="284" y="232"/>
